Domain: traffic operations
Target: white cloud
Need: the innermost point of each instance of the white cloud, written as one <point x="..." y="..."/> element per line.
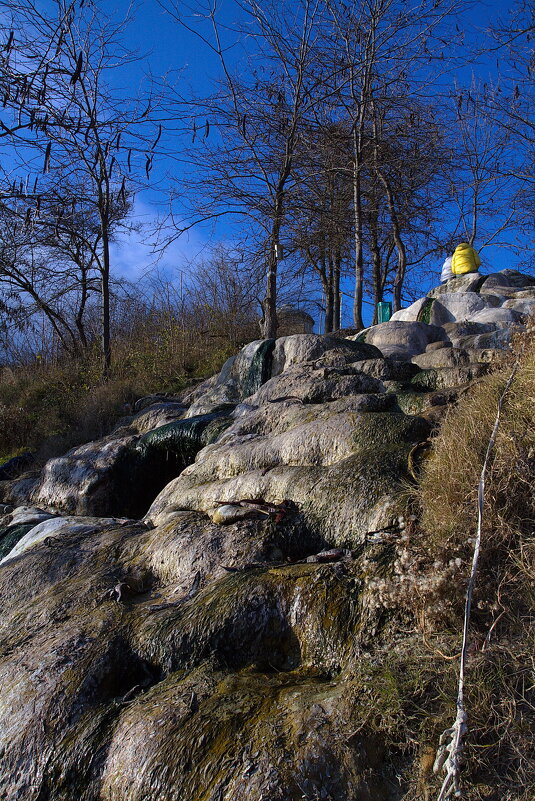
<point x="133" y="253"/>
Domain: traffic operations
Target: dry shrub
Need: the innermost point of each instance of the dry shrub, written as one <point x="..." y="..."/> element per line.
<point x="448" y="489"/>
<point x="433" y="557"/>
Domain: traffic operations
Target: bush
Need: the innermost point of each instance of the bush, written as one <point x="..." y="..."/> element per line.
<point x="422" y="594"/>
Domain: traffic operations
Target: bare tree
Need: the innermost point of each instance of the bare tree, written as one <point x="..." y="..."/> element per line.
<point x="78" y="139"/>
<point x="320" y="211"/>
<point x="381" y="53"/>
<point x="247" y="166"/>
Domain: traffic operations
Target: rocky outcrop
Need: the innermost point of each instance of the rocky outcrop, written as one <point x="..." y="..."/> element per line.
<point x="402" y="339"/>
<point x="230" y="645"/>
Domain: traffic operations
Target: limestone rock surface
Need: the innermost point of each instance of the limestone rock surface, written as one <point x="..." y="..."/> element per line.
<point x="210" y="651"/>
<point x="402" y="339"/>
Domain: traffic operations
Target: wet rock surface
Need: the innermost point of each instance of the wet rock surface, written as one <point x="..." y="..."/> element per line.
<point x="215" y="649"/>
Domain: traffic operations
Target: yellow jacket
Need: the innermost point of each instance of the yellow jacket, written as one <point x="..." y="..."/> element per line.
<point x="465" y="259"/>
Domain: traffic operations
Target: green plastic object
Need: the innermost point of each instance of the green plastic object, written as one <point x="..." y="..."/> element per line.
<point x="384" y="311"/>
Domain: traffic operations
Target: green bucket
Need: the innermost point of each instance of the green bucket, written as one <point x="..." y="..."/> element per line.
<point x="384" y="311"/>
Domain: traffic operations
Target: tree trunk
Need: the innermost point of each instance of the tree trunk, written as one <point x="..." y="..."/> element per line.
<point x="359" y="257"/>
<point x="81" y="309"/>
<point x="400" y="246"/>
<point x="376" y="261"/>
<point x="105" y="306"/>
<point x="329" y="297"/>
<point x="336" y="292"/>
<point x="269" y="304"/>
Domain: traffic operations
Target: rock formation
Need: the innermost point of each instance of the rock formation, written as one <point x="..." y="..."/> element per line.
<point x="188" y="604"/>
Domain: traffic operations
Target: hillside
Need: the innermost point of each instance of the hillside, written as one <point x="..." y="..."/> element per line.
<point x="254" y="590"/>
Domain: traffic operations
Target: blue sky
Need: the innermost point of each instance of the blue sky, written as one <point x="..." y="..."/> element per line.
<point x="168" y="47"/>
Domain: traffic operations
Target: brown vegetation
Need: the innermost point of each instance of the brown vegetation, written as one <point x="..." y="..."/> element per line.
<point x="51" y="406"/>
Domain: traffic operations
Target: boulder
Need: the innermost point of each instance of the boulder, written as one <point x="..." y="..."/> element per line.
<point x="23" y="515"/>
<point x="122" y="683"/>
<point x="456" y="357"/>
<point x="438" y="378"/>
<point x="83" y="481"/>
<point x="240" y="376"/>
<point x="443" y="357"/>
<point x="508" y="278"/>
<point x="301" y="348"/>
<point x="156" y="415"/>
<point x="411" y="313"/>
<point x="315" y="386"/>
<point x="16" y="523"/>
<point x="452" y="307"/>
<point x="500" y="316"/>
<point x="306" y="453"/>
<point x="524" y="306"/>
<point x="470" y="282"/>
<point x="402" y="340"/>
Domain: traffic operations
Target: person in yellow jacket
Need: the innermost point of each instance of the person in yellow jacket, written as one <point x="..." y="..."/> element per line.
<point x="465" y="259"/>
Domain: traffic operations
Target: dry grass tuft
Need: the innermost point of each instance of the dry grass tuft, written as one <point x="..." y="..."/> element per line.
<point x="448" y="489"/>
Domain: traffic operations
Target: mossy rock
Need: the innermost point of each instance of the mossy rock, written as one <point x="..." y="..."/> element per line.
<point x="10" y="536"/>
<point x="425" y="380"/>
<point x="424" y="315"/>
<point x="412" y="402"/>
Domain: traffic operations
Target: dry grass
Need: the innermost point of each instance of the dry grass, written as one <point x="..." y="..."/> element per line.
<point x="448" y="489"/>
<point x="50" y="407"/>
<point x="425" y="592"/>
<point x="435" y="562"/>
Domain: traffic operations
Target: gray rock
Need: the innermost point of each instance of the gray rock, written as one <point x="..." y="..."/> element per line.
<point x="470" y="282"/>
<point x="444" y="357"/>
<point x="403" y="340"/>
<point x="301" y="348"/>
<point x="456" y="357"/>
<point x="156" y="415"/>
<point x="437" y="346"/>
<point x="499" y="316"/>
<point x="469" y="328"/>
<point x="315" y="386"/>
<point x="451" y="307"/>
<point x="508" y="278"/>
<point x="24" y="515"/>
<point x="58" y="528"/>
<point x="410" y="314"/>
<point x="386" y="369"/>
<point x="240" y="376"/>
<point x="231" y="513"/>
<point x="431" y="379"/>
<point x="494" y="340"/>
<point x="304" y="453"/>
<point x="524" y="306"/>
<point x="82" y="481"/>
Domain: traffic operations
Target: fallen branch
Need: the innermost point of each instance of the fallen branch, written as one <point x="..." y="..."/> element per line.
<point x="451" y="741"/>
